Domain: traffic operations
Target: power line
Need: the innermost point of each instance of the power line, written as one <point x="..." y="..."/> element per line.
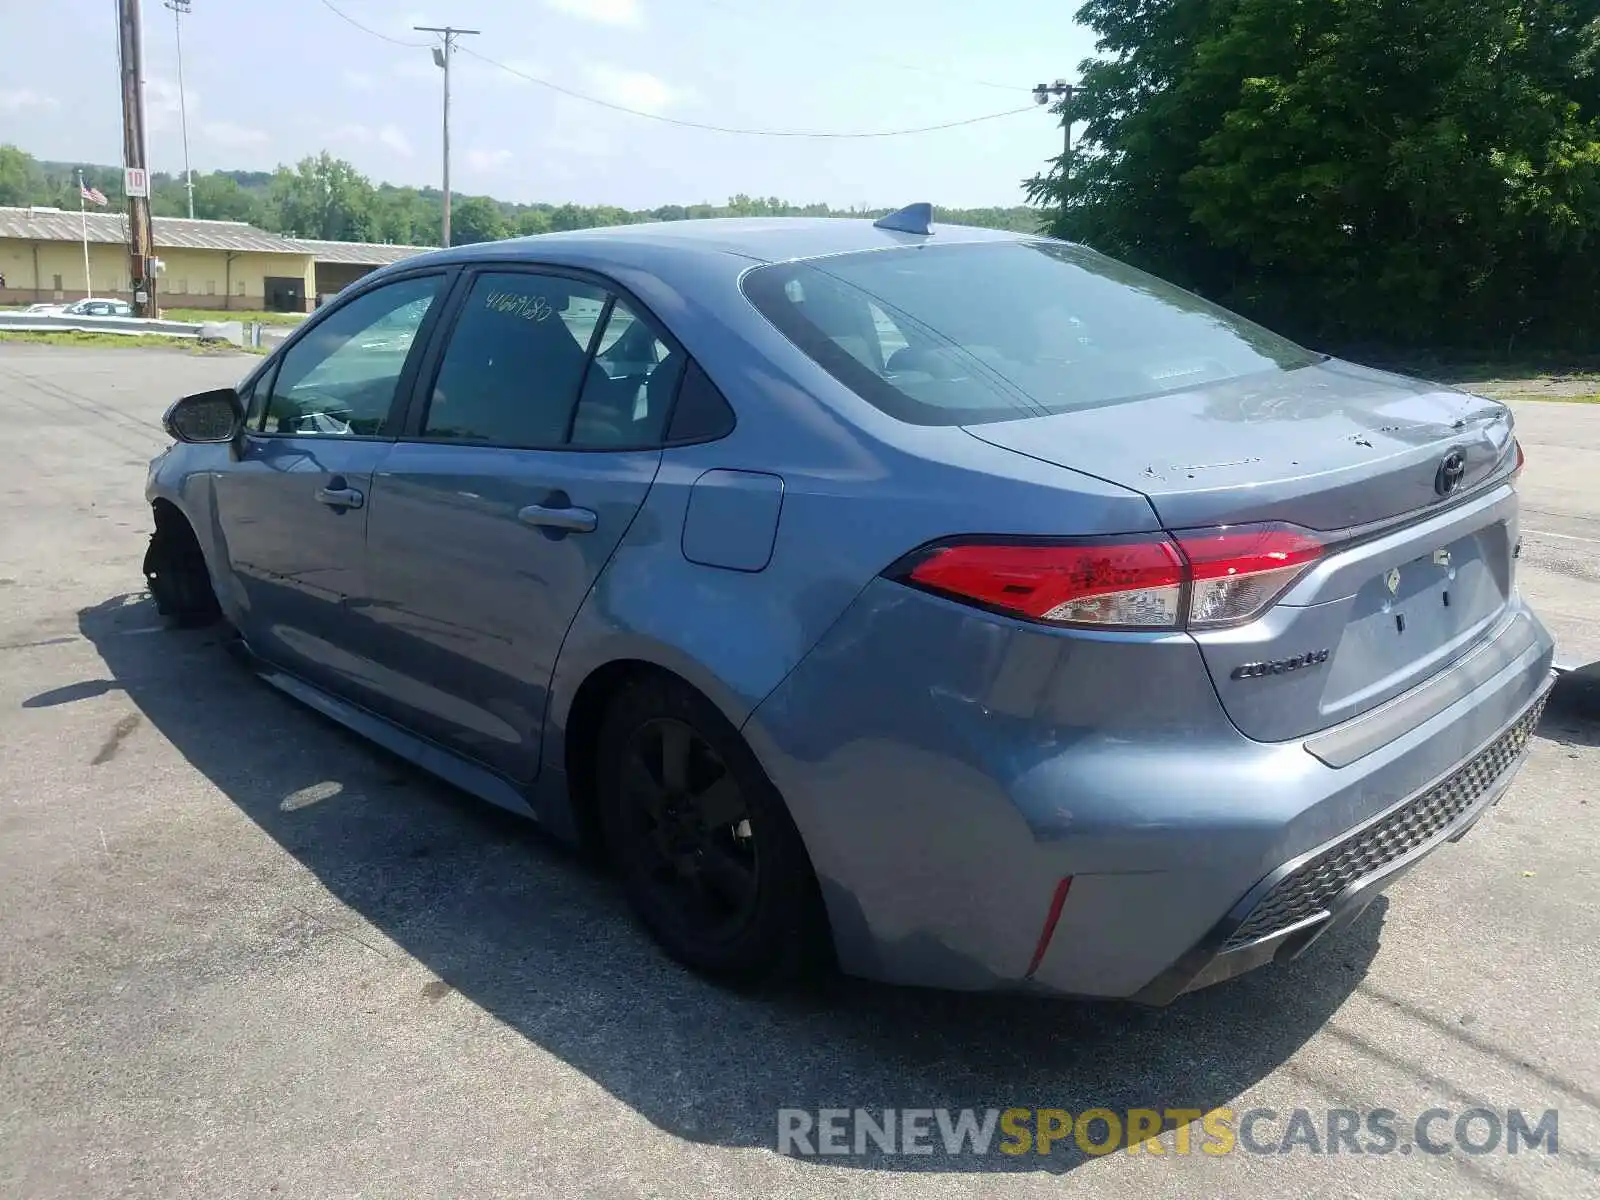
<point x="344" y="16"/>
<point x="774" y="133"/>
<point x="679" y="121"/>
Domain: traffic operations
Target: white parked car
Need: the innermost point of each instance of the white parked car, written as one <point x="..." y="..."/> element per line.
<point x="99" y="308"/>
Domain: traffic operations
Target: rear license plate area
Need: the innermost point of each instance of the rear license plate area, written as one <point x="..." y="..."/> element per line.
<point x="1411" y="620"/>
<point x="1436" y="596"/>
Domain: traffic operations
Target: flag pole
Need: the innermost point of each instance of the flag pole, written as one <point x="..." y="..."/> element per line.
<point x="83" y="220"/>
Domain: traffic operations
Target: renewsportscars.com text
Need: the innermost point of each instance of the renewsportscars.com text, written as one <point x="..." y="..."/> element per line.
<point x="1219" y="1131"/>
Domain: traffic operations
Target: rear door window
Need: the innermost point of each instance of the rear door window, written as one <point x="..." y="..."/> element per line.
<point x="627" y="401"/>
<point x="516" y="360"/>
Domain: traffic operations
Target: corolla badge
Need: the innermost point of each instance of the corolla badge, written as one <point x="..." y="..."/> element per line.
<point x="1280" y="666"/>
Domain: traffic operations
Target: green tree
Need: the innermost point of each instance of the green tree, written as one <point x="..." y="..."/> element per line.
<point x="407" y="216"/>
<point x="532" y="221"/>
<point x="1399" y="171"/>
<point x="218" y="197"/>
<point x="323" y="197"/>
<point x="168" y="196"/>
<point x="476" y="219"/>
<point x="570" y="216"/>
<point x="21" y="181"/>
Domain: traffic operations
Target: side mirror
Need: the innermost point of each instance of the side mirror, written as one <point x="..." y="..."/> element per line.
<point x="206" y="417"/>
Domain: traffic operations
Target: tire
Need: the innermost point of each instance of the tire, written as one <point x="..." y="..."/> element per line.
<point x="707" y="853"/>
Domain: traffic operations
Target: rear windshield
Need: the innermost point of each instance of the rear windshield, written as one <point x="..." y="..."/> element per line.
<point x="963" y="334"/>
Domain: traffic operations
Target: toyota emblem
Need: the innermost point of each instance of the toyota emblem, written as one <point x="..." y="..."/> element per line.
<point x="1451" y="471"/>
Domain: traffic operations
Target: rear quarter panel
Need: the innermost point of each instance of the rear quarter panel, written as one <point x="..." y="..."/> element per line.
<point x="859" y="491"/>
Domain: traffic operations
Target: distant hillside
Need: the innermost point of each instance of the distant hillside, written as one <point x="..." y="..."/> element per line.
<point x="326" y="197"/>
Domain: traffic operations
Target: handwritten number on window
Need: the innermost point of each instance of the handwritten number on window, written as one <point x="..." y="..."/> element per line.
<point x="529" y="308"/>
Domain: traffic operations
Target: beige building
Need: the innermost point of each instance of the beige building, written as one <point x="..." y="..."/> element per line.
<point x="206" y="264"/>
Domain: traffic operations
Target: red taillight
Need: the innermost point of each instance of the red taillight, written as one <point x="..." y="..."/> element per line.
<point x="1238" y="572"/>
<point x="1204" y="578"/>
<point x="1516" y="471"/>
<point x="1086" y="583"/>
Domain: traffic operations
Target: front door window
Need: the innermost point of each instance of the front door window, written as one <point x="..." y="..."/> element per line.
<point x="340" y="379"/>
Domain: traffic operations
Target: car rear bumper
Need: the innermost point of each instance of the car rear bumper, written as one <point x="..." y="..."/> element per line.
<point x="948" y="769"/>
<point x="1328" y="887"/>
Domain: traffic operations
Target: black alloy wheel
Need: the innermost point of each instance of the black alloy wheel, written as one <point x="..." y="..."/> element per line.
<point x="689" y="826"/>
<point x="705" y="848"/>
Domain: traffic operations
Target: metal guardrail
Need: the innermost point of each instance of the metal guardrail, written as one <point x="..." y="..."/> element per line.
<point x="222" y="331"/>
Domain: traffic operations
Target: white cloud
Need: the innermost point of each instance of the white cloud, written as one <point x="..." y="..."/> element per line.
<point x="163" y="103"/>
<point x="392" y="137"/>
<point x="576" y="131"/>
<point x="17" y="100"/>
<point x="635" y="89"/>
<point x="603" y="12"/>
<point x="231" y="135"/>
<point x="359" y="81"/>
<point x="417" y="66"/>
<point x="485" y="161"/>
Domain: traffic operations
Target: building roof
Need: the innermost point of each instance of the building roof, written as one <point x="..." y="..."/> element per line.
<point x="176" y="233"/>
<point x="172" y="233"/>
<point x="361" y="254"/>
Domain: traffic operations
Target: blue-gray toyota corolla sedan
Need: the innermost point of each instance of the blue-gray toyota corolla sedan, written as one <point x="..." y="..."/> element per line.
<point x="965" y="607"/>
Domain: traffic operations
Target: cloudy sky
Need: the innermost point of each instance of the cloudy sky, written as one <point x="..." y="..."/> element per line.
<point x="270" y="82"/>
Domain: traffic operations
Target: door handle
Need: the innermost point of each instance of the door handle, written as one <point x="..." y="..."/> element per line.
<point x="345" y="497"/>
<point x="573" y="520"/>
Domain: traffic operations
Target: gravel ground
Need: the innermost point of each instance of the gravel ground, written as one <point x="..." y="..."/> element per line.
<point x="246" y="955"/>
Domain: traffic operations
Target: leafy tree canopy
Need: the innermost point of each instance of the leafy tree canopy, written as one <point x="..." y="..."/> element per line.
<point x="326" y="197"/>
<point x="1394" y="171"/>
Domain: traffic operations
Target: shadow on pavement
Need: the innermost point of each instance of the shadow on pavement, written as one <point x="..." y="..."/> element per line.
<point x="523" y="929"/>
<point x="1572" y="715"/>
<point x="73" y="692"/>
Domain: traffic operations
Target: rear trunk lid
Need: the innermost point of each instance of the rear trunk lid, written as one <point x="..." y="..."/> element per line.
<point x="1390" y="470"/>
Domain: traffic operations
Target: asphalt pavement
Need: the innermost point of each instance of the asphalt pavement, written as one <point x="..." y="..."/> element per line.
<point x="244" y="954"/>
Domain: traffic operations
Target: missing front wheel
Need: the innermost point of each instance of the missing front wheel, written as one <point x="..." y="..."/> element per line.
<point x="175" y="572"/>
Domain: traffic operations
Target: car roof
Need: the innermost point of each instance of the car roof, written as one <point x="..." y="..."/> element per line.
<point x="763" y="239"/>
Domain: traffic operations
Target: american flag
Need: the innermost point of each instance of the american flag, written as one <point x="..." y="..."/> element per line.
<point x="92" y="195"/>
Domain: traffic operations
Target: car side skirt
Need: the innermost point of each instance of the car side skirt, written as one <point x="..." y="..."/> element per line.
<point x="459" y="772"/>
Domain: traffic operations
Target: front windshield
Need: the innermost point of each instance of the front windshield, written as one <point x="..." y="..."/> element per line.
<point x="946" y="335"/>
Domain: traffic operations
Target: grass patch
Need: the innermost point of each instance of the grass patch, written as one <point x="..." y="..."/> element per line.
<point x="1550" y="397"/>
<point x="218" y="314"/>
<point x="1569" y="379"/>
<point x="121" y="341"/>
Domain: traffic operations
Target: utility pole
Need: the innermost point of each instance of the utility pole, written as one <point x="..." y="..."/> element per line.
<point x="181" y="9"/>
<point x="441" y="59"/>
<point x="130" y="57"/>
<point x="1066" y="93"/>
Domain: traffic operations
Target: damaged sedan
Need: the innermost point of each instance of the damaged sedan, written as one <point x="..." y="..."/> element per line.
<point x="963" y="608"/>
